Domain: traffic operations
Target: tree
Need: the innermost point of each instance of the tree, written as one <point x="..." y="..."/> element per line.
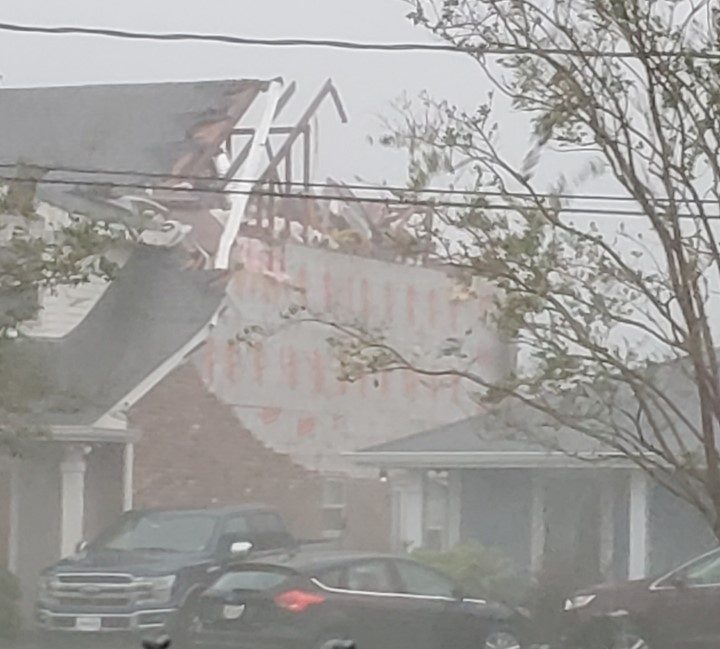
<point x="37" y="254"/>
<point x="613" y="328"/>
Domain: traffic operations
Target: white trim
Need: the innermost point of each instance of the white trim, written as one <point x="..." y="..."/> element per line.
<point x="454" y="507"/>
<point x="373" y="593"/>
<point x="537" y="523"/>
<point x="499" y="459"/>
<point x="638" y="525"/>
<point x="128" y="469"/>
<point x="409" y="489"/>
<point x="13" y="535"/>
<point x="112" y="421"/>
<point x="72" y="499"/>
<point x="162" y="370"/>
<point x="91" y="434"/>
<point x="249" y="169"/>
<point x="607" y="526"/>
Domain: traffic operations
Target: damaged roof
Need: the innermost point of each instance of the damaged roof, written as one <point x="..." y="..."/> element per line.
<point x="158" y="128"/>
<point x="153" y="308"/>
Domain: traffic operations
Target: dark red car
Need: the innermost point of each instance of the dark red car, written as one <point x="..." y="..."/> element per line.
<point x="680" y="610"/>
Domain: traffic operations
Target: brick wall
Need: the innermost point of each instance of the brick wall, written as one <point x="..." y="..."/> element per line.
<point x="194" y="451"/>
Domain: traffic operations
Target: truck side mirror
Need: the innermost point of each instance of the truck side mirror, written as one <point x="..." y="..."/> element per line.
<point x="234" y="546"/>
<point x="240" y="549"/>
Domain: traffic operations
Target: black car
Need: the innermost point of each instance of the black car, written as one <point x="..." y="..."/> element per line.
<point x="304" y="600"/>
<point x="135" y="576"/>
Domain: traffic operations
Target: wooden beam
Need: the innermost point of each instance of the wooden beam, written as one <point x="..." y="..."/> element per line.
<point x="275" y="130"/>
<point x="327" y="89"/>
<point x="306" y="157"/>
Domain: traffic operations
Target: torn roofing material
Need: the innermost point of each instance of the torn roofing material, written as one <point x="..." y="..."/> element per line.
<point x="154" y="307"/>
<point x="160" y="128"/>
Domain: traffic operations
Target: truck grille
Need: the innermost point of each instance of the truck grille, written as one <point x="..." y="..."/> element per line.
<point x="95" y="578"/>
<point x="110" y="591"/>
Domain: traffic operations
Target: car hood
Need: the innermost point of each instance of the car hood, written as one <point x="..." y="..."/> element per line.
<point x="139" y="563"/>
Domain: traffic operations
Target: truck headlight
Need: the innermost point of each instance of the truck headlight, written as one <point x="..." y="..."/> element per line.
<point x="578" y="601"/>
<point x="44" y="588"/>
<point x="159" y="589"/>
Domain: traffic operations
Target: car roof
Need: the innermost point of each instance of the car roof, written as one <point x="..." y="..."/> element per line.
<point x="225" y="510"/>
<point x="310" y="560"/>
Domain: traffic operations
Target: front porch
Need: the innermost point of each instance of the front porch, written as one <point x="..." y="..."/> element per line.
<point x="608" y="523"/>
<point x="57" y="494"/>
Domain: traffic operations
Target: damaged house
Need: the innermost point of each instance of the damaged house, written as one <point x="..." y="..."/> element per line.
<point x="151" y="396"/>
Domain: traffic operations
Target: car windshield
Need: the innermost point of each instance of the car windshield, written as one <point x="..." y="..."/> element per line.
<point x="160" y="532"/>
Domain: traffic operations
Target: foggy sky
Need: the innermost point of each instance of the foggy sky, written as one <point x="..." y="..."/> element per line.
<point x="367" y="81"/>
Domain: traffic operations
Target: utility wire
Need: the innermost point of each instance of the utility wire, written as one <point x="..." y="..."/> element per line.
<point x="346" y="199"/>
<point x="341" y="185"/>
<point x="499" y="49"/>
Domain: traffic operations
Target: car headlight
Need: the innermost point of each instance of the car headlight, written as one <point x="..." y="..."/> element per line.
<point x="578" y="601"/>
<point x="157" y="590"/>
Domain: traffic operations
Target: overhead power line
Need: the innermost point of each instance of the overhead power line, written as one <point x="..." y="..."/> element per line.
<point x="498" y="49"/>
<point x="396" y="189"/>
<point x="338" y="197"/>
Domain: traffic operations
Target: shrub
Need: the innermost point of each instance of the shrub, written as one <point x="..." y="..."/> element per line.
<point x="480" y="571"/>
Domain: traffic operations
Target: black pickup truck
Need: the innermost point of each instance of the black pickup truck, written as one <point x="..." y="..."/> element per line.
<point x="134" y="577"/>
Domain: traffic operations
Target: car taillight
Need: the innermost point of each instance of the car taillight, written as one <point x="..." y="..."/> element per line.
<point x="298" y="601"/>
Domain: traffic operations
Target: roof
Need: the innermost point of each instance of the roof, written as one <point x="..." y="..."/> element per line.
<point x="481" y="440"/>
<point x="162" y="128"/>
<point x="517" y="434"/>
<point x="153" y="308"/>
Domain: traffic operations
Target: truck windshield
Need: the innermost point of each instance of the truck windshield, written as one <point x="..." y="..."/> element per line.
<point x="164" y="532"/>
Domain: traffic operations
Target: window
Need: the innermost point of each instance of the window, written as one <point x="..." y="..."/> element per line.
<point x="238" y="527"/>
<point x="265" y="522"/>
<point x="249" y="580"/>
<point x="419" y="580"/>
<point x="704" y="572"/>
<point x="334" y="502"/>
<point x="370" y="576"/>
<point x="331" y="578"/>
<point x="168" y="532"/>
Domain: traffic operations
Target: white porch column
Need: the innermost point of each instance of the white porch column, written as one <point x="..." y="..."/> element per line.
<point x="72" y="486"/>
<point x="454" y="507"/>
<point x="128" y="468"/>
<point x="409" y="491"/>
<point x="537" y="524"/>
<point x="638" y="525"/>
<point x="14" y="539"/>
<point x="607" y="526"/>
